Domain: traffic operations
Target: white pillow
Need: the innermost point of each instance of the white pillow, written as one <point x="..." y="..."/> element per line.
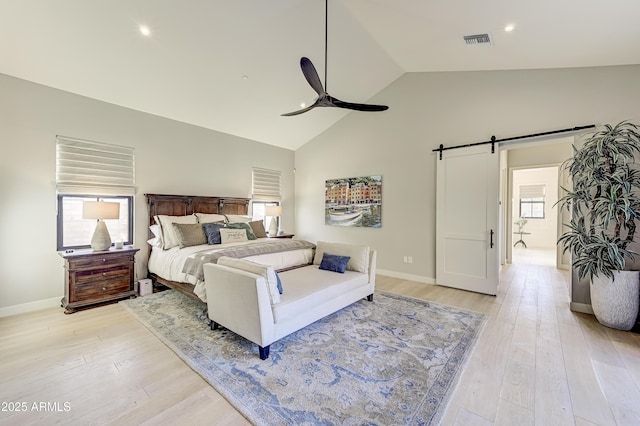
<point x="169" y="236"/>
<point x="155" y="242"/>
<point x="238" y="218"/>
<point x="210" y="217"/>
<point x="157" y="233"/>
<point x="359" y="255"/>
<point x="229" y="235"/>
<point x="265" y="271"/>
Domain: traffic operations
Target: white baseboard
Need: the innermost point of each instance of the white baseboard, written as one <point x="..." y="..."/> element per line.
<point x="30" y="307"/>
<point x="581" y="307"/>
<point x="403" y="276"/>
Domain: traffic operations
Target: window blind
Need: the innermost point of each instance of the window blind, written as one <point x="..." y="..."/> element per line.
<point x="87" y="167"/>
<point x="265" y="185"/>
<point x="532" y="191"/>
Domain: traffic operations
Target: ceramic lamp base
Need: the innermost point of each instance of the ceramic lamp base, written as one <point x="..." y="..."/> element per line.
<point x="101" y="240"/>
<point x="273" y="226"/>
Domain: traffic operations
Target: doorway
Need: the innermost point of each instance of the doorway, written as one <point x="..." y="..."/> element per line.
<point x="530" y="164"/>
<point x="533" y="215"/>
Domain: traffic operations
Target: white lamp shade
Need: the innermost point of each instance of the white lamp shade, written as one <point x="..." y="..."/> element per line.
<point x="100" y="210"/>
<point x="273" y="211"/>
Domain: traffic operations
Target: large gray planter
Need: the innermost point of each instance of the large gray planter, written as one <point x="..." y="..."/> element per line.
<point x="615" y="302"/>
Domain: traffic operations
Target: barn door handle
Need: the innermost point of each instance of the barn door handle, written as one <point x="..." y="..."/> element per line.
<point x="491" y="242"/>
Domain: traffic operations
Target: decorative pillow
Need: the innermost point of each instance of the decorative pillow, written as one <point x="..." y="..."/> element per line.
<point x="245" y="226"/>
<point x="233" y="235"/>
<point x="169" y="237"/>
<point x="190" y="234"/>
<point x="334" y="263"/>
<point x="238" y="218"/>
<point x="210" y="217"/>
<point x="258" y="229"/>
<point x="265" y="271"/>
<point x="212" y="232"/>
<point x="359" y="255"/>
<point x="279" y="284"/>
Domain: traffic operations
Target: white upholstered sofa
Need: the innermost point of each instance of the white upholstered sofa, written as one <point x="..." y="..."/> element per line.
<point x="243" y="296"/>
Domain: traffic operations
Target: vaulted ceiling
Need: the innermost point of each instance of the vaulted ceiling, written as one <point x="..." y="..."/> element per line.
<point x="233" y="65"/>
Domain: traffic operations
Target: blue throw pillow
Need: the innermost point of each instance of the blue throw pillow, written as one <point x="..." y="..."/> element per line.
<point x="212" y="231"/>
<point x="278" y="283"/>
<point x="334" y="263"/>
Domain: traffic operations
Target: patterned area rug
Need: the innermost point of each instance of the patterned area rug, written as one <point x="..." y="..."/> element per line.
<point x="392" y="361"/>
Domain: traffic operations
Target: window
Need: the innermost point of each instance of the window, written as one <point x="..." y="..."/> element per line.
<point x="92" y="171"/>
<point x="257" y="211"/>
<point x="75" y="232"/>
<point x="265" y="191"/>
<point x="532" y="201"/>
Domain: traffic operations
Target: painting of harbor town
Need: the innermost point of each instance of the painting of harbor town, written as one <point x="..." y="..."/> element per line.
<point x="353" y="202"/>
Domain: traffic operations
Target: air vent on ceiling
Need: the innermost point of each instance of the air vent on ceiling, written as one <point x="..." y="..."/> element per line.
<point x="478" y="39"/>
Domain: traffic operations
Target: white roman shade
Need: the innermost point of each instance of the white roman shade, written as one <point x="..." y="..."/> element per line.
<point x="532" y="191"/>
<point x="265" y="185"/>
<point x="87" y="167"/>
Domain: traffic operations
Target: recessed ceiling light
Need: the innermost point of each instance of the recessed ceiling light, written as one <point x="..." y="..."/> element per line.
<point x="145" y="31"/>
<point x="245" y="77"/>
<point x="509" y="28"/>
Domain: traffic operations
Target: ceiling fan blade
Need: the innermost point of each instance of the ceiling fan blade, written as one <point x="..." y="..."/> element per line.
<point x="358" y="107"/>
<point x="311" y="75"/>
<point x="301" y="111"/>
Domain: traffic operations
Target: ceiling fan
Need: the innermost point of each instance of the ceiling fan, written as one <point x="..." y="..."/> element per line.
<point x="324" y="99"/>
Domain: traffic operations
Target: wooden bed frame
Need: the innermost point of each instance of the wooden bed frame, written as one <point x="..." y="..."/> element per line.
<point x="182" y="205"/>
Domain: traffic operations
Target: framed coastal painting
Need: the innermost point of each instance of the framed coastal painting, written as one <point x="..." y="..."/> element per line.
<point x="355" y="201"/>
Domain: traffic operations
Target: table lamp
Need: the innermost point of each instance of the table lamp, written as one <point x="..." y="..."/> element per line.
<point x="274" y="212"/>
<point x="100" y="210"/>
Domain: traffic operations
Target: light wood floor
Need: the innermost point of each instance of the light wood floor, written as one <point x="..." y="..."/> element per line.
<point x="535" y="363"/>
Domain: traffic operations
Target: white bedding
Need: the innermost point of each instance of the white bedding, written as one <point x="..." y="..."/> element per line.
<point x="168" y="264"/>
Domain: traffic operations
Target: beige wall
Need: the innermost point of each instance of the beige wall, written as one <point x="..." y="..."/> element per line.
<point x="171" y="158"/>
<point x="427" y="109"/>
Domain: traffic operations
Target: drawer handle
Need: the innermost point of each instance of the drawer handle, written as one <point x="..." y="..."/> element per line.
<point x="104" y="274"/>
<point x="104" y="289"/>
<point x="104" y="260"/>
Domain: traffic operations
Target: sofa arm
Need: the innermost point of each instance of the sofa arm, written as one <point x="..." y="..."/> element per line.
<point x="239" y="301"/>
<point x="372" y="267"/>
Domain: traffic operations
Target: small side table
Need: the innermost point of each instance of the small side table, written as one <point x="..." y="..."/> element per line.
<point x="281" y="235"/>
<point x="521" y="241"/>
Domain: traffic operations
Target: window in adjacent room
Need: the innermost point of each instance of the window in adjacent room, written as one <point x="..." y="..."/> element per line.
<point x="265" y="191"/>
<point x="532" y="201"/>
<point x="92" y="171"/>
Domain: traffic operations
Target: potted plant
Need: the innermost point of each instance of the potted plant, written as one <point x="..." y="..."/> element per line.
<point x="605" y="205"/>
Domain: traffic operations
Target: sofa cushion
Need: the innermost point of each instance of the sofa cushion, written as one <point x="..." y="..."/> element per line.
<point x="334" y="263"/>
<point x="265" y="271"/>
<point x="359" y="255"/>
<point x="310" y="286"/>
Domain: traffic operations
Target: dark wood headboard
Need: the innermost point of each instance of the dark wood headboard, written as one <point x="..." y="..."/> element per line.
<point x="182" y="205"/>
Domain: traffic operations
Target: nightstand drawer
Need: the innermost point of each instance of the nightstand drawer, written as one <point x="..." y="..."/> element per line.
<point x="93" y="275"/>
<point x="99" y="261"/>
<point x="101" y="289"/>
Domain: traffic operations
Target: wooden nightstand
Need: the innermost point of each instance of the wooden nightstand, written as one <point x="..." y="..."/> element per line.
<point x="281" y="235"/>
<point x="97" y="277"/>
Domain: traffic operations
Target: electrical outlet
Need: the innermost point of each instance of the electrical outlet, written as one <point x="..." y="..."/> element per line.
<point x="409" y="259"/>
<point x="405" y="259"/>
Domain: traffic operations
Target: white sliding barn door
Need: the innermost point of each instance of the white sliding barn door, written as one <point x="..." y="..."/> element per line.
<point x="467" y="233"/>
